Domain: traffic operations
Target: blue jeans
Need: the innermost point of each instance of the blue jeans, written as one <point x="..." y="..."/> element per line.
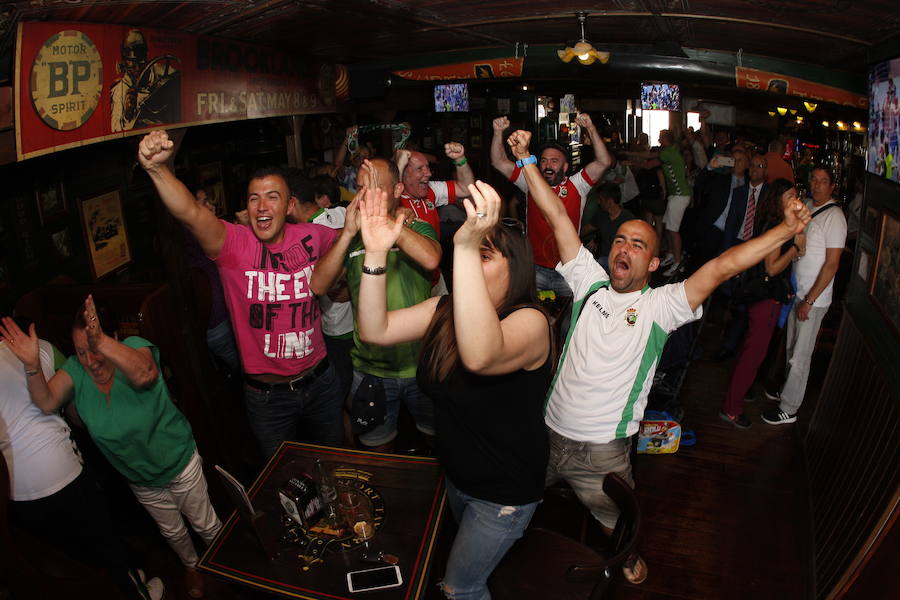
<point x="486" y="532"/>
<point x="311" y="413"/>
<point x="396" y="389"/>
<point x="550" y="279"/>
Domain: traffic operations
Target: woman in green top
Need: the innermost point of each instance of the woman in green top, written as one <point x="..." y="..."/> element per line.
<point x="124" y="403"/>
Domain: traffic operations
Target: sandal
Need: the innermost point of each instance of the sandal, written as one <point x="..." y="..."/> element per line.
<point x="635" y="569"/>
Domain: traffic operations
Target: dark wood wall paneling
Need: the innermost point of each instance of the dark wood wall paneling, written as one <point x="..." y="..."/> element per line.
<point x="853" y="457"/>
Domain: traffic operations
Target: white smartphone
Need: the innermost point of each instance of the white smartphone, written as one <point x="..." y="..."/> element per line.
<point x="726" y="161"/>
<point x="374" y="579"/>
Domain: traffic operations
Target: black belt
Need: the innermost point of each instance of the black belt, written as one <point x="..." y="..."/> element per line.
<point x="294" y="384"/>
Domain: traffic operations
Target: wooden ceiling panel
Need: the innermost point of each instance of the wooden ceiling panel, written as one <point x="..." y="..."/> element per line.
<point x="831" y="32"/>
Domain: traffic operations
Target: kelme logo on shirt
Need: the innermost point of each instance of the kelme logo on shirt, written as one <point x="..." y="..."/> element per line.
<point x="631" y="316"/>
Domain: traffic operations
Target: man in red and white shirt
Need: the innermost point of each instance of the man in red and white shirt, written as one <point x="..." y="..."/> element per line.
<point x="422" y="195"/>
<point x="573" y="191"/>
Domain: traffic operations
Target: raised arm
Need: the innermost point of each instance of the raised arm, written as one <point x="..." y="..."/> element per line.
<point x="701" y="284"/>
<point x="136" y="364"/>
<point x="498" y="153"/>
<point x="330" y="267"/>
<point x="341" y="152"/>
<point x="487" y="345"/>
<point x="154" y="153"/>
<point x="376" y="324"/>
<point x="603" y="160"/>
<point x="47" y="396"/>
<point x="567" y="240"/>
<point x="421" y="248"/>
<point x="464" y="176"/>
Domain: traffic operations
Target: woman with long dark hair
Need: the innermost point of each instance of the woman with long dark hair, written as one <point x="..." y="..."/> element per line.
<point x="486" y="363"/>
<point x="763" y="314"/>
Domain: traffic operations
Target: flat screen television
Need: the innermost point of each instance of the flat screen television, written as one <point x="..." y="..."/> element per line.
<point x="884" y="120"/>
<point x="451" y="97"/>
<point x="660" y="96"/>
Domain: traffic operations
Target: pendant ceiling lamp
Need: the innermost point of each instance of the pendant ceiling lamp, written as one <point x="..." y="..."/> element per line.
<point x="583" y="50"/>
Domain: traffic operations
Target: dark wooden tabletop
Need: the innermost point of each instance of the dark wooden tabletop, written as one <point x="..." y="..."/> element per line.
<point x="407" y="494"/>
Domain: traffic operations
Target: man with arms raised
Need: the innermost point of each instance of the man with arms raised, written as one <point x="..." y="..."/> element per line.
<point x="409" y="271"/>
<point x="619" y="327"/>
<point x="265" y="272"/>
<point x="572" y="191"/>
<point x="423" y="196"/>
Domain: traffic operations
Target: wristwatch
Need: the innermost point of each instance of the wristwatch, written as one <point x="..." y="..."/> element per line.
<point x="531" y="160"/>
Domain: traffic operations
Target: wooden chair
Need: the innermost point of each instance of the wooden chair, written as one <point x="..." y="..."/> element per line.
<point x="545" y="564"/>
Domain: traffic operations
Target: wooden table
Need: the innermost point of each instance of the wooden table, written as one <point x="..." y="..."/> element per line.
<point x="407" y="492"/>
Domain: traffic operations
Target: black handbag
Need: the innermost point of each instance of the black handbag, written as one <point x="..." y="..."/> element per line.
<point x="755" y="284"/>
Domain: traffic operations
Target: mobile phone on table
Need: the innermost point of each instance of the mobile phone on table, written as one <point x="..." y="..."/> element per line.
<point x="374" y="579"/>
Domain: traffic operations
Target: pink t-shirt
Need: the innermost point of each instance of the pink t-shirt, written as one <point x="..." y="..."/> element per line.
<point x="276" y="319"/>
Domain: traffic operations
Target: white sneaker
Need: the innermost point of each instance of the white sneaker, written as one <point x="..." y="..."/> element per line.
<point x="674" y="268"/>
<point x="667" y="260"/>
<point x="156" y="588"/>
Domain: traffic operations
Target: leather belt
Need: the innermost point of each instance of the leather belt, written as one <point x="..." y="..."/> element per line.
<point x="294" y="384"/>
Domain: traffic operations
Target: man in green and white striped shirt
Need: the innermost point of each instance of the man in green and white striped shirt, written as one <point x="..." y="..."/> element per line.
<point x="618" y="330"/>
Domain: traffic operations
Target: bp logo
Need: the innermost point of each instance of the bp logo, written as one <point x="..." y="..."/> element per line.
<point x="631" y="316"/>
<point x="66" y="79"/>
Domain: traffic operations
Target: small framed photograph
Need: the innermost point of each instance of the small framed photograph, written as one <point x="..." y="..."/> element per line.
<point x="62" y="243"/>
<point x="51" y="201"/>
<point x="884" y="285"/>
<point x="104" y="233"/>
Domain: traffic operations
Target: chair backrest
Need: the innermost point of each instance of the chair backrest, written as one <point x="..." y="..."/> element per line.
<point x="545" y="564"/>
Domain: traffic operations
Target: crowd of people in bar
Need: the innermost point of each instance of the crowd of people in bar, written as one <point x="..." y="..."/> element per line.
<point x="338" y="300"/>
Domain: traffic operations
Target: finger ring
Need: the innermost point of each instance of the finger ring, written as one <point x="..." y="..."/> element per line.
<point x="480" y="215"/>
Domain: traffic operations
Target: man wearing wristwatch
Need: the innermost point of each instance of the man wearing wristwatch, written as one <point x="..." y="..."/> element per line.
<point x="553" y="164"/>
<point x="814" y="272"/>
<point x="265" y="269"/>
<point x="408" y="271"/>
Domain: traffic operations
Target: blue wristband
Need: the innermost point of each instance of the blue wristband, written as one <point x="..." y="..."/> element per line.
<point x="531" y="160"/>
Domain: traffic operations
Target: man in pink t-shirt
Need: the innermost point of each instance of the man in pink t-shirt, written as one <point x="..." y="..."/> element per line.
<point x="265" y="271"/>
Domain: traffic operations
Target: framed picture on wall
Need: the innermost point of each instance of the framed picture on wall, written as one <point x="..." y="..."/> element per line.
<point x="104" y="233"/>
<point x="884" y="285"/>
<point x="62" y="242"/>
<point x="51" y="201"/>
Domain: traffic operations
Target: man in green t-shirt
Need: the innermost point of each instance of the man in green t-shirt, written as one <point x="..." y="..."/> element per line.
<point x="678" y="192"/>
<point x="409" y="269"/>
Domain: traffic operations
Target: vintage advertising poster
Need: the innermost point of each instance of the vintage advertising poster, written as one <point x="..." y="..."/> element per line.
<point x="79" y="83"/>
<point x="104" y="231"/>
<point x="778" y="83"/>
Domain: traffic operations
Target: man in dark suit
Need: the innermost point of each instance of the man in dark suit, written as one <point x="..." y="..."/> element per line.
<point x="739" y="229"/>
<point x="744" y="200"/>
<point x="714" y="192"/>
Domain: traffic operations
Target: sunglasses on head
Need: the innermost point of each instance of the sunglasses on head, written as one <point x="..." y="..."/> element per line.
<point x="515" y="223"/>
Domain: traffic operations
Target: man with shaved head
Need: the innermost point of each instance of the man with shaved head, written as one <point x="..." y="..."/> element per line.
<point x="408" y="273"/>
<point x="618" y="331"/>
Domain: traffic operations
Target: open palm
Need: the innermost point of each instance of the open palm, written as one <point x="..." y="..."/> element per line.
<point x="380" y="230"/>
